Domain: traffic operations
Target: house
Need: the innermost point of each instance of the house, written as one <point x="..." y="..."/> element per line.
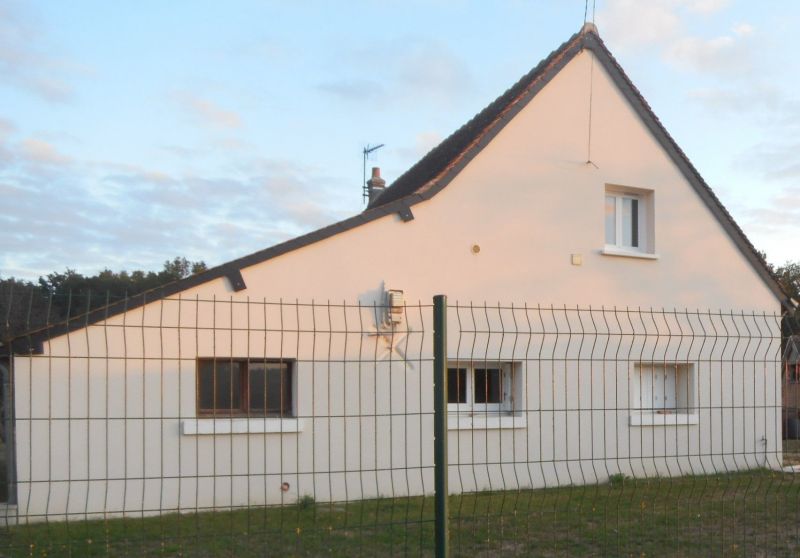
<point x="791" y="387"/>
<point x="305" y="368"/>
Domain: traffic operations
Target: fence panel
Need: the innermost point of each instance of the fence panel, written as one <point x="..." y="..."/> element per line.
<point x="617" y="432"/>
<point x="191" y="426"/>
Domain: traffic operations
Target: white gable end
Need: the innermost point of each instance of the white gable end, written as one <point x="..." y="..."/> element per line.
<point x="529" y="201"/>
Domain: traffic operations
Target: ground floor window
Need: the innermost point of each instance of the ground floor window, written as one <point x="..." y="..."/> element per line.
<point x="244" y="387"/>
<point x="664" y="387"/>
<point x="481" y="387"/>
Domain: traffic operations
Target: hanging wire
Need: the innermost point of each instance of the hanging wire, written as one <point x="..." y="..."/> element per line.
<point x="591" y="94"/>
<point x="586" y="10"/>
<point x="591" y="87"/>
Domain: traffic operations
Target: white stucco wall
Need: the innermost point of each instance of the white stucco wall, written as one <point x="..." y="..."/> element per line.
<point x="100" y="413"/>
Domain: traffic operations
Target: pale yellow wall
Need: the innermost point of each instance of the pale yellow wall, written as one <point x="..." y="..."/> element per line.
<point x="104" y="434"/>
<point x="530" y="201"/>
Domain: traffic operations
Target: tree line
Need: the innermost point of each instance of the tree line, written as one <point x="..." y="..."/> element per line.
<point x="788" y="276"/>
<point x="28" y="305"/>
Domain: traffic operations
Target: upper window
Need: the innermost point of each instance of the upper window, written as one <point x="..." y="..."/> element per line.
<point x="623" y="220"/>
<point x="482" y="387"/>
<point x="244" y="387"/>
<point x="628" y="220"/>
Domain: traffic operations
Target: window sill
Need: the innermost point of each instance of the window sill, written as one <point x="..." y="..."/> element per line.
<point x="477" y="422"/>
<point x="658" y="419"/>
<point x="614" y="251"/>
<point x="199" y="427"/>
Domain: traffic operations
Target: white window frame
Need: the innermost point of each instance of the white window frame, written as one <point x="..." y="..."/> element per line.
<point x="619" y="229"/>
<point x="470" y="407"/>
<point x="645" y="217"/>
<point x="663" y="393"/>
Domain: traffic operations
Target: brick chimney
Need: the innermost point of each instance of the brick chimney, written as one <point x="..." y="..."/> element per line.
<point x="376" y="184"/>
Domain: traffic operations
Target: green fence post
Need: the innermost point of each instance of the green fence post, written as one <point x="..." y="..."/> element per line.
<point x="440" y="424"/>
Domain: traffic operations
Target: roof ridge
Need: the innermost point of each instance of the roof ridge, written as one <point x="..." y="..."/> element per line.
<point x="409" y="183"/>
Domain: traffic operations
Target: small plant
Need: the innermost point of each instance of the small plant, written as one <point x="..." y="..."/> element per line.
<point x="617" y="480"/>
<point x="305" y="502"/>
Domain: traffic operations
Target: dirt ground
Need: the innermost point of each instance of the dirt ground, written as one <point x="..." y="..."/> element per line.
<point x="791" y="452"/>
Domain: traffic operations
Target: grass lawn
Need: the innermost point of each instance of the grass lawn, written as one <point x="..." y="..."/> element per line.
<point x="744" y="514"/>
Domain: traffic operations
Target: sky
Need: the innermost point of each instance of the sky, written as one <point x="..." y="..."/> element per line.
<point x="135" y="132"/>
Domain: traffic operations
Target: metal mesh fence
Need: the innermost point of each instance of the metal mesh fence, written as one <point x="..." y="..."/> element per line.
<point x="192" y="426"/>
<point x="619" y="432"/>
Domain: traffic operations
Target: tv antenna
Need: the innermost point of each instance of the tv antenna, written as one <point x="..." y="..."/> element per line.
<point x="369" y="149"/>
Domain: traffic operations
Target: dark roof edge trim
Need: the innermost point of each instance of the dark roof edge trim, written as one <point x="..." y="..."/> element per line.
<point x="507" y="116"/>
<point x="33" y="342"/>
<point x="437" y="168"/>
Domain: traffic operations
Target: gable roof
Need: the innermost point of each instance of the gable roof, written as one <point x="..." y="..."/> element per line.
<point x="436" y="170"/>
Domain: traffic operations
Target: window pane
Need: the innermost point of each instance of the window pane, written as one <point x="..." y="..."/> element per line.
<point x="228" y="388"/>
<point x="627" y="222"/>
<point x="635" y="223"/>
<point x="220" y="387"/>
<point x="257" y="388"/>
<point x="645" y="394"/>
<point x="657" y="385"/>
<point x="270" y="389"/>
<point x="205" y="385"/>
<point x="611" y="220"/>
<point x="670" y="383"/>
<point x="456" y="385"/>
<point x="279" y="389"/>
<point x="488" y="385"/>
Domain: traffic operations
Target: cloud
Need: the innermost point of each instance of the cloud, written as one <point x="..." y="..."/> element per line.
<point x="423" y="142"/>
<point x="755" y="96"/>
<point x="433" y="68"/>
<point x="208" y="113"/>
<point x="705" y="6"/>
<point x="6" y="128"/>
<point x="661" y="25"/>
<point x="181" y="152"/>
<point x="354" y="89"/>
<point x="778" y="218"/>
<point x="401" y="71"/>
<point x="42" y="153"/>
<point x="633" y="23"/>
<point x="23" y="63"/>
<point x="774" y="160"/>
<point x="743" y="29"/>
<point x="776" y="225"/>
<point x="728" y="55"/>
<point x="105" y="214"/>
<point x="772" y="213"/>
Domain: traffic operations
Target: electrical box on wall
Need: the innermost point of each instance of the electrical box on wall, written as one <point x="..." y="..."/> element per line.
<point x="395" y="306"/>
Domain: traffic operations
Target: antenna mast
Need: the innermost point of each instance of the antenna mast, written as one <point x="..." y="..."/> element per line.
<point x="367" y="151"/>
